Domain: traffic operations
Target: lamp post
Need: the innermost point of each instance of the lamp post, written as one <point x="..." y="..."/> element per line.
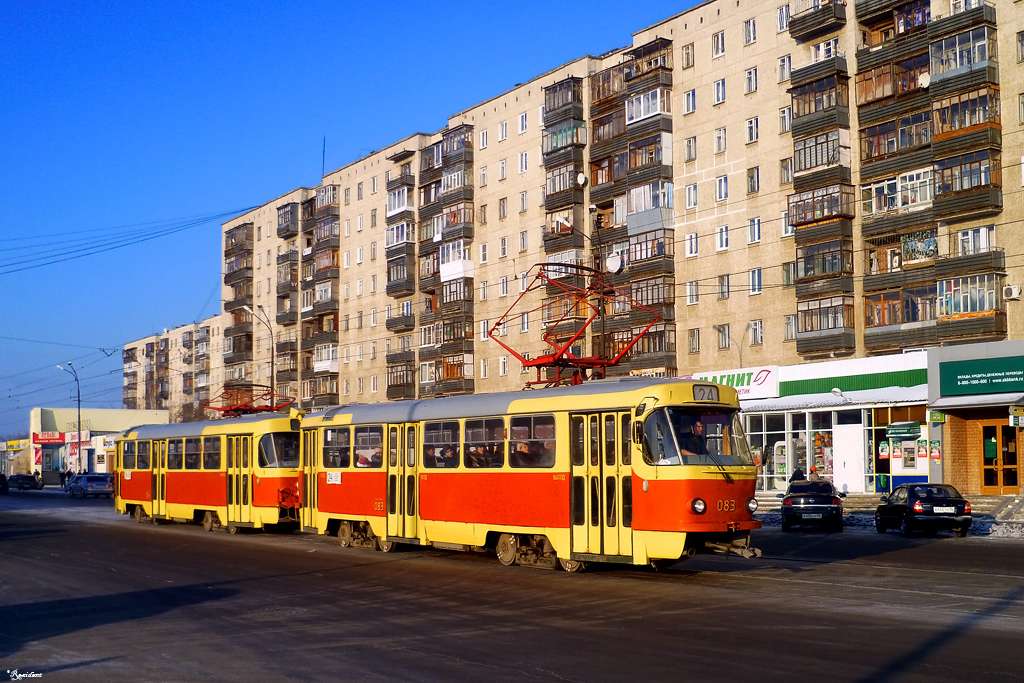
<point x="71" y="370"/>
<point x="728" y="332"/>
<point x="265" y="319"/>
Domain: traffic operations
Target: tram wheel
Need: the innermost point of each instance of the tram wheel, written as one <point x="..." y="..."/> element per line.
<point x="572" y="566"/>
<point x="208" y="521"/>
<point x="507" y="549"/>
<point x="232" y="529"/>
<point x="345" y="534"/>
<point x="139" y="514"/>
<point x="386" y="546"/>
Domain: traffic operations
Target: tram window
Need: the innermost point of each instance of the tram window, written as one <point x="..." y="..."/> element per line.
<point x="595" y="501"/>
<point x="579" y="491"/>
<point x="441" y="444"/>
<point x="410" y="447"/>
<point x="369" y="446"/>
<point x="532" y="441"/>
<point x="485" y="442"/>
<point x="280" y="449"/>
<point x="609" y="500"/>
<point x="410" y="494"/>
<point x="245" y="451"/>
<point x="128" y="455"/>
<point x="625" y="438"/>
<point x="609" y="440"/>
<point x="659" y="444"/>
<point x="393" y="447"/>
<point x="175" y="454"/>
<point x="231" y="451"/>
<point x="193" y="453"/>
<point x="337" y="447"/>
<point x="627" y="502"/>
<point x="143" y="455"/>
<point x="211" y="453"/>
<point x="245" y="489"/>
<point x="576" y="446"/>
<point x="595" y="442"/>
<point x="231" y="487"/>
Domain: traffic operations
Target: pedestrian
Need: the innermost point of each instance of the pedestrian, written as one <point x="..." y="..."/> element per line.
<point x="63" y="477"/>
<point x="814" y="474"/>
<point x="798" y="475"/>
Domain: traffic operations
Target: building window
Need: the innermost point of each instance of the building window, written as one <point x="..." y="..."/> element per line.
<point x="749" y="32"/>
<point x="483" y="214"/>
<point x="691" y="147"/>
<point x="503" y="286"/>
<point x="373" y="185"/>
<point x="483" y="176"/>
<point x="692" y="293"/>
<point x="689" y="101"/>
<point x="522" y="282"/>
<point x="503" y="365"/>
<point x="824" y="50"/>
<point x="971" y="294"/>
<point x="502" y="131"/>
<point x="722" y="188"/>
<point x="723" y="336"/>
<point x="502" y="169"/>
<point x="718" y="44"/>
<point x="693" y="337"/>
<point x="691" y="244"/>
<point x="483" y="290"/>
<point x="785" y="120"/>
<point x="785" y="68"/>
<point x="691" y="196"/>
<point x="788" y="229"/>
<point x="723" y="286"/>
<point x="753" y="179"/>
<point x="719" y="94"/>
<point x="966" y="172"/>
<point x="756" y="332"/>
<point x="789" y="327"/>
<point x="720" y="140"/>
<point x="821" y="95"/>
<point x="484" y="327"/>
<point x="483" y="139"/>
<point x="523" y="160"/>
<point x="524" y="323"/>
<point x="1020" y="46"/>
<point x="484" y="368"/>
<point x="753" y="231"/>
<point x="832" y="313"/>
<point x="966" y="50"/>
<point x="749" y="81"/>
<point x="523" y="240"/>
<point x="817" y="151"/>
<point x="687" y="56"/>
<point x="503" y="207"/>
<point x="722" y="238"/>
<point x="782" y="18"/>
<point x="752" y="130"/>
<point x="483" y="253"/>
<point x="522" y="123"/>
<point x="503" y="247"/>
<point x="755" y="281"/>
<point x="786" y="171"/>
<point x="788" y="273"/>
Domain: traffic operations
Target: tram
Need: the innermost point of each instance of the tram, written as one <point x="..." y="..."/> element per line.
<point x="629" y="470"/>
<point x="241" y="472"/>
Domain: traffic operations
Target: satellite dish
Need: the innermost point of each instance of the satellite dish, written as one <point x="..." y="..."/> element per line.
<point x="614" y="263"/>
<point x="581" y="179"/>
<point x="924" y="79"/>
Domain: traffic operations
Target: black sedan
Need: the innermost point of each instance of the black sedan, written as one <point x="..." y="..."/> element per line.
<point x="925" y="507"/>
<point x="812" y="502"/>
<point x="26" y="481"/>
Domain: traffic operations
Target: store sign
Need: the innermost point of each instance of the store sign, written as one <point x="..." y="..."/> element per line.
<point x="982" y="376"/>
<point x="77" y="437"/>
<point x="749" y="383"/>
<point x="936" y="416"/>
<point x="18" y="444"/>
<point x="903" y="430"/>
<point x="48" y="437"/>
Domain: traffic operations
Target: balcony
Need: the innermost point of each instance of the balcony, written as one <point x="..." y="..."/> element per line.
<point x="240" y="328"/>
<point x="817" y="70"/>
<point x="290" y="375"/>
<point x="464" y="385"/>
<point x="287" y="346"/>
<point x="288" y="220"/>
<point x="463" y="230"/>
<point x="328" y="337"/>
<point x="289" y="256"/>
<point x="977" y="202"/>
<point x="233" y="357"/>
<point x="896" y="279"/>
<point x="824" y="286"/>
<point x="238" y="240"/>
<point x="657" y="359"/>
<point x="401" y="357"/>
<point x="563" y="241"/>
<point x="400" y="323"/>
<point x="401" y="391"/>
<point x="841" y="341"/>
<point x="131" y="403"/>
<point x="971" y="326"/>
<point x="237" y="275"/>
<point x="328" y="305"/>
<point x="287" y="286"/>
<point x="817" y="20"/>
<point x="993" y="260"/>
<point x="430" y="353"/>
<point x="400" y="181"/>
<point x="819" y="232"/>
<point x="893" y="338"/>
<point x="237" y="304"/>
<point x="327" y="399"/>
<point x="289" y="317"/>
<point x="401" y="288"/>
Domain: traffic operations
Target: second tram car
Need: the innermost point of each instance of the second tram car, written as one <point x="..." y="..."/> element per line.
<point x="241" y="472"/>
<point x="630" y="470"/>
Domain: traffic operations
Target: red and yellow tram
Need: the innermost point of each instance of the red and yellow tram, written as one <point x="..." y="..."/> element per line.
<point x="241" y="472"/>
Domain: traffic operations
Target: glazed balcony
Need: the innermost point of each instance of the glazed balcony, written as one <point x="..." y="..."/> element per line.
<point x="288" y="220"/>
<point x="817" y="19"/>
<point x="238" y="275"/>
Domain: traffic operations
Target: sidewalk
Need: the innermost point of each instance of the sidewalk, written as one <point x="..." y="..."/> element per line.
<point x="1001" y="516"/>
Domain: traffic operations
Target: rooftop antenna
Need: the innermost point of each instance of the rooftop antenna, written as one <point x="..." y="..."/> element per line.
<point x="323" y="159"/>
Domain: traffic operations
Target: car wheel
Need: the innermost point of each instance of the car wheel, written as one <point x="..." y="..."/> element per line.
<point x="961" y="531"/>
<point x="906" y="528"/>
<point x="879" y="526"/>
<point x="838" y="527"/>
<point x="786" y="526"/>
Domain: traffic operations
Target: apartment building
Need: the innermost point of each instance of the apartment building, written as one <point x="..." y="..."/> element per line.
<point x="781" y="183"/>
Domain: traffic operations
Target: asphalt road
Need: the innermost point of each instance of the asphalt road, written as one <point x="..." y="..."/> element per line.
<point x="88" y="595"/>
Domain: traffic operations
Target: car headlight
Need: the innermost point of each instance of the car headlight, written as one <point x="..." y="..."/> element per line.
<point x="698" y="506"/>
<point x="752" y="504"/>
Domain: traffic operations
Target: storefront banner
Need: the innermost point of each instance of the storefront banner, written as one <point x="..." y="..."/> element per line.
<point x="48" y="437"/>
<point x="109" y="441"/>
<point x="935" y="450"/>
<point x="77" y="437"/>
<point x="39" y="456"/>
<point x="18" y="444"/>
<point x="883" y="450"/>
<point x="749" y="383"/>
<point x="982" y="376"/>
<point x="903" y="430"/>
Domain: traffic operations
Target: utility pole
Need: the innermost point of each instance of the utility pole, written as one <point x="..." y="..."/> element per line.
<point x="71" y="369"/>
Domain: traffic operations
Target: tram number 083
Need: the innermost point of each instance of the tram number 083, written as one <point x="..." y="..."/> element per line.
<point x="726" y="506"/>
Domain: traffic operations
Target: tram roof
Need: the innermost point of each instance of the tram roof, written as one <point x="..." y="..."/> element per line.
<point x="183" y="429"/>
<point x="480" y="405"/>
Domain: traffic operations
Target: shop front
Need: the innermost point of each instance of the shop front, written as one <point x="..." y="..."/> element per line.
<point x="979" y="389"/>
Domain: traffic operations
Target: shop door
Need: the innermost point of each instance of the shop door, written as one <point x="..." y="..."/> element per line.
<point x="601" y="488"/>
<point x="239" y="485"/>
<point x="310" y="453"/>
<point x="999" y="462"/>
<point x="158" y="461"/>
<point x="403" y="484"/>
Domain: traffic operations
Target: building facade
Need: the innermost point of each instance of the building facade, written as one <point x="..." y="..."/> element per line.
<point x="780" y="183"/>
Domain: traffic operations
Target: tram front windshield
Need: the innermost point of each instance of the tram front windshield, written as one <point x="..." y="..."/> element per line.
<point x="280" y="449"/>
<point x="689" y="436"/>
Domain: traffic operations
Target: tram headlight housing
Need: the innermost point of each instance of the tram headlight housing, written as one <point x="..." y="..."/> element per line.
<point x="698" y="506"/>
<point x="752" y="504"/>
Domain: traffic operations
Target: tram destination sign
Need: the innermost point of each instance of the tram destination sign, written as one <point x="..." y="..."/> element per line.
<point x="982" y="376"/>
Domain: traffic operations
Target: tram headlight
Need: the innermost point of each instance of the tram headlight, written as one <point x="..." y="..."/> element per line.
<point x="698" y="506"/>
<point x="752" y="504"/>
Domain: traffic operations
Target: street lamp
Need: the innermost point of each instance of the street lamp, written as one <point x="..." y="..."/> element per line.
<point x="265" y="319"/>
<point x="71" y="370"/>
<point x="727" y="329"/>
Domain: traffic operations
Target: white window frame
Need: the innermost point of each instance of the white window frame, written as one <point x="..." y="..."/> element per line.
<point x="756" y="332"/>
<point x="692" y="293"/>
<point x="782" y="18"/>
<point x="692" y="245"/>
<point x="718" y="45"/>
<point x="718" y="92"/>
<point x="753" y="132"/>
<point x="722" y="238"/>
<point x="750" y="81"/>
<point x="691" y="148"/>
<point x="722" y="188"/>
<point x="785" y="68"/>
<point x="721" y="140"/>
<point x="691" y="196"/>
<point x="502" y="131"/>
<point x="755" y="281"/>
<point x="749" y="31"/>
<point x="753" y="230"/>
<point x="523" y="122"/>
<point x="689" y="101"/>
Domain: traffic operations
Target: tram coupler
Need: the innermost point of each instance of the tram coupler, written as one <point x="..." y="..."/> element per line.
<point x="738" y="547"/>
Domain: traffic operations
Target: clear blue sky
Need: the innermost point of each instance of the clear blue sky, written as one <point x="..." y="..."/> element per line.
<point x="146" y="123"/>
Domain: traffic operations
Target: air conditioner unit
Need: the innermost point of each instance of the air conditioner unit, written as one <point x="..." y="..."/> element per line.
<point x="1011" y="292"/>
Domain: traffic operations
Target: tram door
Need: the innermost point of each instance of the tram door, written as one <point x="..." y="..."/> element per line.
<point x="403" y="483"/>
<point x="239" y="479"/>
<point x="309" y="482"/>
<point x="601" y="488"/>
<point x="158" y="455"/>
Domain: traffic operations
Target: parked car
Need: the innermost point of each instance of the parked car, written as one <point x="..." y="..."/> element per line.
<point x="4" y="486"/>
<point x="925" y="507"/>
<point x="91" y="485"/>
<point x="26" y="481"/>
<point x="812" y="502"/>
<point x="67" y="482"/>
